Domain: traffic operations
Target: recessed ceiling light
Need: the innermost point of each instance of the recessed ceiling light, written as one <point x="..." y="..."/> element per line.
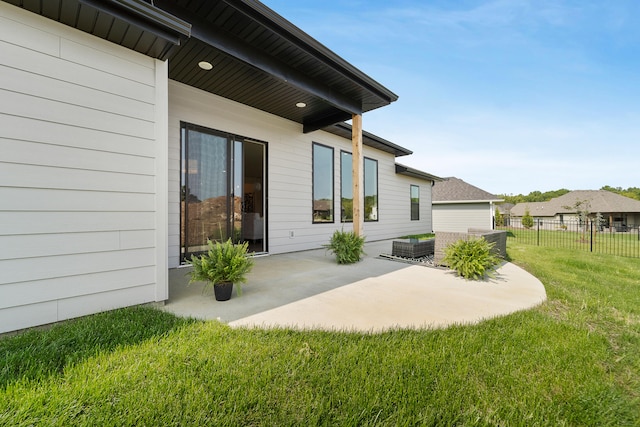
<point x="205" y="65"/>
<point x="301" y="105"/>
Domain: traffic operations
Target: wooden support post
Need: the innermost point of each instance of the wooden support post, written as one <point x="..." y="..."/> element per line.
<point x="357" y="174"/>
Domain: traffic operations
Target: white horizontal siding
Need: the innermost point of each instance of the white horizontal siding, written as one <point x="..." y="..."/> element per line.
<point x="27" y="129"/>
<point x="40" y="291"/>
<point x="36" y="153"/>
<point x="46" y="245"/>
<point x="120" y="62"/>
<point x="18" y="28"/>
<point x="56" y="67"/>
<point x="83" y="305"/>
<point x="27" y="269"/>
<point x="69" y="92"/>
<point x="289" y="180"/>
<point x="33" y="176"/>
<point x="12" y="223"/>
<point x="65" y="200"/>
<point x="82" y="140"/>
<point x="24" y="105"/>
<point x="25" y="316"/>
<point x="459" y="217"/>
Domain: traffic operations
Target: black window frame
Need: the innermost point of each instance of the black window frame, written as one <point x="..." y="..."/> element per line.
<point x="313" y="184"/>
<point x="414" y="206"/>
<point x="364" y="186"/>
<point x="342" y="175"/>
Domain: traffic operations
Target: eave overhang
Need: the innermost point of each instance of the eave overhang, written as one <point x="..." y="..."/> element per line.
<point x="415" y="173"/>
<point x="259" y="58"/>
<point x="146" y="17"/>
<point x="134" y="24"/>
<point x="344" y="130"/>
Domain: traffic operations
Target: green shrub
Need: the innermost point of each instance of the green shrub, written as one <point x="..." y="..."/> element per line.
<point x="527" y="219"/>
<point x="499" y="218"/>
<point x="223" y="262"/>
<point x="471" y="259"/>
<point x="347" y="246"/>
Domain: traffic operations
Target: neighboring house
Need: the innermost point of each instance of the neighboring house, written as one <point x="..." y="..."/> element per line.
<point x="131" y="132"/>
<point x="505" y="210"/>
<point x="459" y="206"/>
<point x="620" y="212"/>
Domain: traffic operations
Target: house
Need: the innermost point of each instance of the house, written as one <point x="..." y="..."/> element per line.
<point x="132" y="131"/>
<point x="459" y="206"/>
<point x="618" y="212"/>
<point x="505" y="211"/>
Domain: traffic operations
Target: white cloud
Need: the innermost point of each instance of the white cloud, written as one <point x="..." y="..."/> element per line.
<point x="502" y="153"/>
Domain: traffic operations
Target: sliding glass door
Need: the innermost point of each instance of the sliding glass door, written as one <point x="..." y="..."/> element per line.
<point x="222" y="175"/>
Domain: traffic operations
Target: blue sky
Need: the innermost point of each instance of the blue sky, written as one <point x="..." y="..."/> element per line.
<point x="511" y="96"/>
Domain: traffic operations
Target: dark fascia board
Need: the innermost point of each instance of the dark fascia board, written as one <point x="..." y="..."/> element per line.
<point x="345" y="130"/>
<point x="316" y="123"/>
<point x="145" y="16"/>
<point x="415" y="173"/>
<point x="278" y="24"/>
<point x="202" y="30"/>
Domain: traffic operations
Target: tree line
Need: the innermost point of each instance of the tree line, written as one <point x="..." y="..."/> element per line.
<point x="537" y="196"/>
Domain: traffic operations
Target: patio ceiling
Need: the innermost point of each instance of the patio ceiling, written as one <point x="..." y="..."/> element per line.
<point x="259" y="58"/>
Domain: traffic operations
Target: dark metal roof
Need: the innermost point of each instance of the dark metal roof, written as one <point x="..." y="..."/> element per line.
<point x="415" y="173"/>
<point x="260" y="59"/>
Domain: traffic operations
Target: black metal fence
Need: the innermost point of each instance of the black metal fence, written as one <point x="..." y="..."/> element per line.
<point x="587" y="236"/>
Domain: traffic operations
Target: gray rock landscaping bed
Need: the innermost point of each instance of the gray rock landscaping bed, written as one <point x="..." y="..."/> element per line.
<point x="426" y="261"/>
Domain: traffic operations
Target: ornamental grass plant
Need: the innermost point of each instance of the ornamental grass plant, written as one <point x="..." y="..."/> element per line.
<point x="472" y="258"/>
<point x="347" y="246"/>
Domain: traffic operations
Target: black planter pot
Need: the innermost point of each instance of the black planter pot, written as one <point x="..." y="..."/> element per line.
<point x="222" y="291"/>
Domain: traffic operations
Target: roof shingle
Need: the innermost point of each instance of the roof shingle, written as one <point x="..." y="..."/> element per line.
<point x="599" y="200"/>
<point x="453" y="189"/>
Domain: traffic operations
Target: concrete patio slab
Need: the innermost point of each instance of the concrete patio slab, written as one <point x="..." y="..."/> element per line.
<point x="413" y="297"/>
<point x="305" y="290"/>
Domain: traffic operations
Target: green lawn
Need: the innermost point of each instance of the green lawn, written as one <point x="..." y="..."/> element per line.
<point x="574" y="360"/>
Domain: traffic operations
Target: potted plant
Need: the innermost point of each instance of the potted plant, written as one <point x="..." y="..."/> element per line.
<point x="221" y="266"/>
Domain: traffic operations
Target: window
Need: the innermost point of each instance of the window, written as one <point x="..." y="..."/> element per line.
<point x="370" y="189"/>
<point x="415" y="203"/>
<point x="346" y="187"/>
<point x="322" y="183"/>
<point x="221" y="189"/>
<point x="204" y="179"/>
